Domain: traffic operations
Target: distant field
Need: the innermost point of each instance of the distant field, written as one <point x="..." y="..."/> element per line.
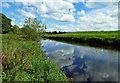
<point x="88" y="34"/>
<point x="96" y="37"/>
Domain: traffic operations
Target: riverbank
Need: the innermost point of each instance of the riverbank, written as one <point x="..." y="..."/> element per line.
<point x="23" y="60"/>
<point x="92" y="38"/>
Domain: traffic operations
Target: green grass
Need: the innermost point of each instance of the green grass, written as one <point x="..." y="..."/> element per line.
<point x="88" y="34"/>
<point x="103" y="36"/>
<point x="22" y="60"/>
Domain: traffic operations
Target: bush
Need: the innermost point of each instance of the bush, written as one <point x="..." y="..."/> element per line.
<point x="16" y="29"/>
<point x="30" y="34"/>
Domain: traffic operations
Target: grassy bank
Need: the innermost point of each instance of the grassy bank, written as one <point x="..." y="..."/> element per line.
<point x="102" y="38"/>
<point x="22" y="60"/>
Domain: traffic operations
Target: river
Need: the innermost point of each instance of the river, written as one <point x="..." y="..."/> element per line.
<point x="83" y="63"/>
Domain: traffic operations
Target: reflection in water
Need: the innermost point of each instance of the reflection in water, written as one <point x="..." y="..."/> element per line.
<point x="83" y="63"/>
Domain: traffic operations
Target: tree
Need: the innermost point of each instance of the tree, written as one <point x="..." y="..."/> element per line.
<point x="54" y="32"/>
<point x="33" y="28"/>
<point x="34" y="24"/>
<point x="5" y="23"/>
<point x="16" y="29"/>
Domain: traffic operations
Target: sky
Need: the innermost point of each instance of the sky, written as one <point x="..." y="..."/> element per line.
<point x="65" y="15"/>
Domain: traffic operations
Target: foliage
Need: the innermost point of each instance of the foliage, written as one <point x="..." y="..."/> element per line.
<point x="33" y="29"/>
<point x="6" y="23"/>
<point x="30" y="34"/>
<point x="55" y="32"/>
<point x="22" y="60"/>
<point x="16" y="29"/>
<point x="34" y="24"/>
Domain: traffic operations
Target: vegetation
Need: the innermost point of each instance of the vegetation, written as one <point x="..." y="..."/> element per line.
<point x="34" y="24"/>
<point x="33" y="29"/>
<point x="88" y="34"/>
<point x="22" y="59"/>
<point x="93" y="37"/>
<point x="55" y="32"/>
<point x="6" y="23"/>
<point x="16" y="29"/>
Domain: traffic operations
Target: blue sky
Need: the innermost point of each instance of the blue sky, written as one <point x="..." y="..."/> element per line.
<point x="65" y="15"/>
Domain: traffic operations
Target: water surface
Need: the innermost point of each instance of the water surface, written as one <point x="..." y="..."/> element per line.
<point x="83" y="63"/>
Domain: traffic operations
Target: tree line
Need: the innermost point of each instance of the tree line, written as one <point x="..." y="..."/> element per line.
<point x="32" y="28"/>
<point x="55" y="32"/>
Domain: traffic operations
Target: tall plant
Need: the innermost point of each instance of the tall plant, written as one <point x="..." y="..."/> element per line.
<point x="35" y="24"/>
<point x="34" y="28"/>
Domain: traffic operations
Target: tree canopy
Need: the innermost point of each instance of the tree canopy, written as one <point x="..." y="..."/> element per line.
<point x="16" y="29"/>
<point x="5" y="23"/>
<point x="34" y="24"/>
<point x="33" y="28"/>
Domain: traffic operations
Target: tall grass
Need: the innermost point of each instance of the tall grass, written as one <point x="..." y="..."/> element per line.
<point x="22" y="60"/>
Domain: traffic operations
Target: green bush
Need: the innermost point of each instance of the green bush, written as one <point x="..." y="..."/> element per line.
<point x="30" y="34"/>
<point x="16" y="29"/>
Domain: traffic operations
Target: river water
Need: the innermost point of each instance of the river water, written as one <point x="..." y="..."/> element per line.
<point x="83" y="63"/>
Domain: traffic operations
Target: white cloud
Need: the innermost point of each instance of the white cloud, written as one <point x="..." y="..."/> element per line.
<point x="44" y="15"/>
<point x="67" y="18"/>
<point x="81" y="13"/>
<point x="6" y="5"/>
<point x="26" y="14"/>
<point x="63" y="17"/>
<point x="60" y="17"/>
<point x="13" y="21"/>
<point x="67" y="28"/>
<point x="59" y="6"/>
<point x="60" y="10"/>
<point x="96" y="3"/>
<point x="53" y="7"/>
<point x="55" y="26"/>
<point x="95" y="20"/>
<point x="100" y="19"/>
<point x="42" y="9"/>
<point x="50" y="29"/>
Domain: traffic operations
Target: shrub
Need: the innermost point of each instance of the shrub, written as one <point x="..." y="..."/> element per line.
<point x="16" y="29"/>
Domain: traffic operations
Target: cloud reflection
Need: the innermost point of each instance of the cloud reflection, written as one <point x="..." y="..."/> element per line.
<point x="83" y="63"/>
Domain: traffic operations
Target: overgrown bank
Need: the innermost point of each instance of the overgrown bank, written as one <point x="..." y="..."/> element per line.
<point x="94" y="38"/>
<point x="22" y="60"/>
<point x="21" y="56"/>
